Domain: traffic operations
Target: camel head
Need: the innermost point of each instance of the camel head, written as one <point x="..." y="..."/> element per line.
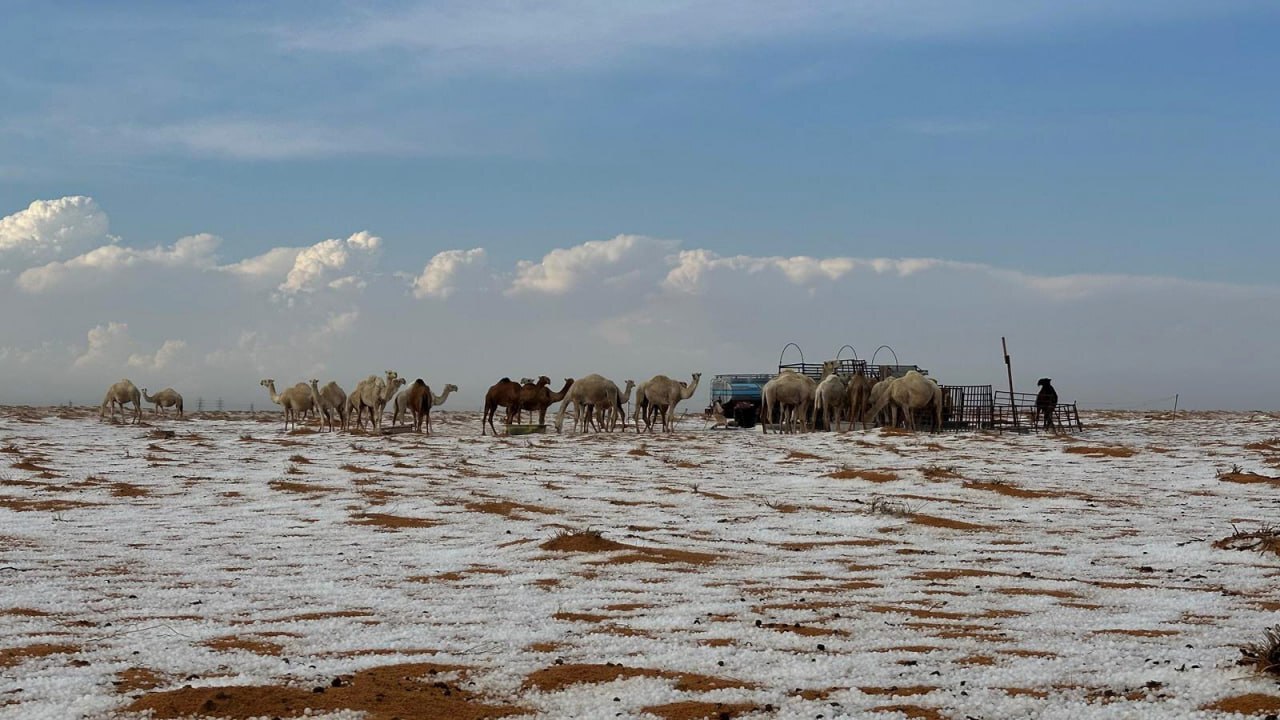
<point x="1043" y="382"/>
<point x="267" y="383"/>
<point x="544" y="380"/>
<point x="523" y="380"/>
<point x="451" y="388"/>
<point x="314" y="382"/>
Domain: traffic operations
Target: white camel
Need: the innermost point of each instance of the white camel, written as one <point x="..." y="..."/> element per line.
<point x="664" y="394"/>
<point x="831" y="398"/>
<point x="400" y="407"/>
<point x="166" y="398"/>
<point x="791" y="394"/>
<point x="121" y="394"/>
<point x="331" y="403"/>
<point x="593" y="392"/>
<point x="913" y="392"/>
<point x="293" y="401"/>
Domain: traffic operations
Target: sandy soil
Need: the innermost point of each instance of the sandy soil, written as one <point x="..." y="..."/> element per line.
<point x="218" y="567"/>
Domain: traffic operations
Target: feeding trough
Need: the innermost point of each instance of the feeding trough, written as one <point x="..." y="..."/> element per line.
<point x="526" y="429"/>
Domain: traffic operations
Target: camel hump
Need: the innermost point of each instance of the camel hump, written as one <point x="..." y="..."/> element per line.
<point x="505" y="379"/>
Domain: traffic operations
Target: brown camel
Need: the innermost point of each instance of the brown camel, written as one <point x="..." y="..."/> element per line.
<point x="539" y="397"/>
<point x="506" y="394"/>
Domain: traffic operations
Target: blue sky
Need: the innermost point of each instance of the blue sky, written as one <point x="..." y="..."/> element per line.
<point x="1048" y="138"/>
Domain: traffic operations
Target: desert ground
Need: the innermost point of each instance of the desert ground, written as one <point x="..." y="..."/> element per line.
<point x="219" y="567"/>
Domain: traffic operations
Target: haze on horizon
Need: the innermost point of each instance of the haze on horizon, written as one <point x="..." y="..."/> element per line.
<point x="204" y="195"/>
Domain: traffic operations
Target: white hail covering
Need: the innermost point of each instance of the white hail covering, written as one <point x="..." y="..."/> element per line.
<point x="992" y="576"/>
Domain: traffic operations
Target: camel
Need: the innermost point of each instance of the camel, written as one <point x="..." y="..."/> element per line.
<point x="331" y="402"/>
<point x="640" y="416"/>
<point x="790" y="393"/>
<point x="539" y="397"/>
<point x="122" y="393"/>
<point x="664" y="393"/>
<point x="859" y="395"/>
<point x="1046" y="402"/>
<point x="166" y="398"/>
<point x="716" y="416"/>
<point x="621" y="413"/>
<point x="588" y="395"/>
<point x="529" y="390"/>
<point x="400" y="406"/>
<point x="879" y="391"/>
<point x="831" y="397"/>
<point x="293" y="401"/>
<point x="372" y="394"/>
<point x="910" y="393"/>
<point x="506" y="394"/>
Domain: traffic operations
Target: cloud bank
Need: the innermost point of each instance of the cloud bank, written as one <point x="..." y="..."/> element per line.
<point x="84" y="308"/>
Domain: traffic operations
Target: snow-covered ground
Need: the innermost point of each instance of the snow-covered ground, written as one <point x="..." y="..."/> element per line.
<point x="686" y="575"/>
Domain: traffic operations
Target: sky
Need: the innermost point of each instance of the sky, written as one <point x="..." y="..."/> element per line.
<point x="202" y="195"/>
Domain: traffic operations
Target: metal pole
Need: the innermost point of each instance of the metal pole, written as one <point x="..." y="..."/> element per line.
<point x="1175" y="403"/>
<point x="1013" y="405"/>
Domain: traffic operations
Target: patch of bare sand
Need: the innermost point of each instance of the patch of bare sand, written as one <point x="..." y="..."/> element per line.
<point x="1247" y="704"/>
<point x="913" y="712"/>
<point x="53" y="506"/>
<point x="558" y="677"/>
<point x="399" y="692"/>
<point x="874" y="476"/>
<point x="896" y="691"/>
<point x="1249" y="478"/>
<point x="593" y="542"/>
<point x="1003" y="488"/>
<point x="135" y="679"/>
<point x="10" y="657"/>
<point x="941" y="522"/>
<point x="508" y="508"/>
<point x="384" y="521"/>
<point x="695" y="710"/>
<point x="258" y="645"/>
<point x="1100" y="452"/>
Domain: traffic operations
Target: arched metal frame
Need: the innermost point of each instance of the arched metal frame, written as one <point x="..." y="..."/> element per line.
<point x="841" y="350"/>
<point x="784" y="353"/>
<point x="877" y="352"/>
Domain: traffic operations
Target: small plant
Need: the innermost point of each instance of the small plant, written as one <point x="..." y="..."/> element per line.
<point x="1266" y="539"/>
<point x="889" y="506"/>
<point x="1263" y="656"/>
<point x="1234" y="470"/>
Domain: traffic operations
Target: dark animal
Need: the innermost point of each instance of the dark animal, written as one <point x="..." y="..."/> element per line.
<point x="504" y="393"/>
<point x="1046" y="402"/>
<point x="419" y="402"/>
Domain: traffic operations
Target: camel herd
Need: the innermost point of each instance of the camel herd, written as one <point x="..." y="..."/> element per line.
<point x="598" y="403"/>
<point x="797" y="400"/>
<point x="337" y="410"/>
<point x="793" y="401"/>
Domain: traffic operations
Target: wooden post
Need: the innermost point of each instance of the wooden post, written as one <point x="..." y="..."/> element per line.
<point x="1013" y="404"/>
<point x="1175" y="403"/>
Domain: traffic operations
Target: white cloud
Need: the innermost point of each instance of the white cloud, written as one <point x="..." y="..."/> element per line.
<point x="49" y="229"/>
<point x="105" y="341"/>
<point x="628" y="306"/>
<point x="333" y="263"/>
<point x="602" y="261"/>
<point x="450" y="37"/>
<point x="100" y="264"/>
<point x="439" y="279"/>
<point x="166" y="356"/>
<point x="270" y="266"/>
<point x="266" y="139"/>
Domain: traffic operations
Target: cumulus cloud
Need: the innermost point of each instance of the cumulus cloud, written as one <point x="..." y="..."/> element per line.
<point x="439" y="279"/>
<point x="693" y="267"/>
<point x="601" y="261"/>
<point x="628" y="306"/>
<point x="168" y="354"/>
<point x="333" y="263"/>
<point x="49" y="229"/>
<point x="101" y="264"/>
